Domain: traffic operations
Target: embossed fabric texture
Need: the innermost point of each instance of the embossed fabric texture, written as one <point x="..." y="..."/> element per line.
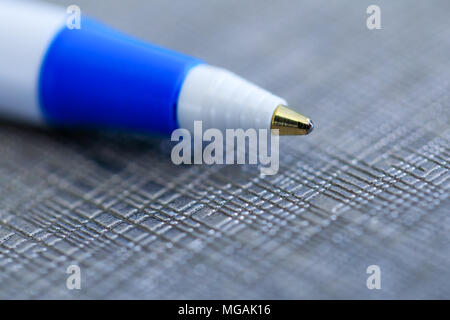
<point x="370" y="185"/>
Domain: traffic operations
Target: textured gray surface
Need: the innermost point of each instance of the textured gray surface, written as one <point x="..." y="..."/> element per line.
<point x="369" y="186"/>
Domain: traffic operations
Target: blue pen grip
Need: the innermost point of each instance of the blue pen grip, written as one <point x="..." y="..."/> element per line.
<point x="98" y="77"/>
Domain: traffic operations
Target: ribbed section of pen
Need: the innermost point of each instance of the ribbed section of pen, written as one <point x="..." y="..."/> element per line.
<point x="223" y="100"/>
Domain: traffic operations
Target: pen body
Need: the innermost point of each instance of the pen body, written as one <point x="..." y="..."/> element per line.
<point x="98" y="77"/>
<point x="94" y="76"/>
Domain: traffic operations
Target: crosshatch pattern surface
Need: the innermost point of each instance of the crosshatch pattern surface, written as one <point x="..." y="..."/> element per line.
<point x="369" y="186"/>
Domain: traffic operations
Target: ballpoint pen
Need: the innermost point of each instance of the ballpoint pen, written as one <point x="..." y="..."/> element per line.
<point x="98" y="77"/>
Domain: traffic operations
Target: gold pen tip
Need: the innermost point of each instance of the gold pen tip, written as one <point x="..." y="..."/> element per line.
<point x="289" y="122"/>
<point x="310" y="127"/>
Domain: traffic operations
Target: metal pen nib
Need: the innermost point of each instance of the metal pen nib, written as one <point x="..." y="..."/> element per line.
<point x="289" y="122"/>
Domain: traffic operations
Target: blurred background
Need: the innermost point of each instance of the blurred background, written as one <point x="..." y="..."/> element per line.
<point x="370" y="186"/>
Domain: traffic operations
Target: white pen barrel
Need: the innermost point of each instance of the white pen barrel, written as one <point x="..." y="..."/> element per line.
<point x="223" y="100"/>
<point x="26" y="31"/>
